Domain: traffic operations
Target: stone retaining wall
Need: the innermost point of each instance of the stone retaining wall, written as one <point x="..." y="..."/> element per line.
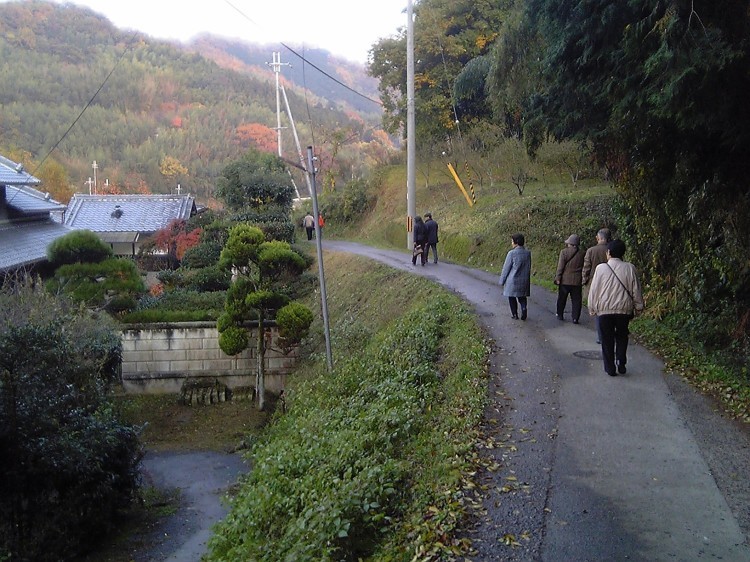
<point x="157" y="358"/>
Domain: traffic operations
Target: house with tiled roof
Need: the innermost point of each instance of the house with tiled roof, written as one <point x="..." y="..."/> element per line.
<point x="125" y="221"/>
<point x="26" y="219"/>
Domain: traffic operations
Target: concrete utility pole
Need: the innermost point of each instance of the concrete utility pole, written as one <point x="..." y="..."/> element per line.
<point x="94" y="166"/>
<point x="276" y="65"/>
<point x="321" y="274"/>
<point x="411" y="172"/>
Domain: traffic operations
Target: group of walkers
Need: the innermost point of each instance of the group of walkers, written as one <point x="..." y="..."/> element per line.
<point x="614" y="291"/>
<point x="425" y="239"/>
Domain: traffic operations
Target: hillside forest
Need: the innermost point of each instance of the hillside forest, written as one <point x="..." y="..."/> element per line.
<point x="653" y="93"/>
<point x="153" y="114"/>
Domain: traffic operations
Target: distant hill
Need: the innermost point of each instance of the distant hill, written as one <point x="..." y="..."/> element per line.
<point x="159" y="113"/>
<point x="255" y="60"/>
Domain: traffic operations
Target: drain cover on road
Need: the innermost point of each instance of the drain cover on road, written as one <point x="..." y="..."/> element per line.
<point x="588" y="354"/>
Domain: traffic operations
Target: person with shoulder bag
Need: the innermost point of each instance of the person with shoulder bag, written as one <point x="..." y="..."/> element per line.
<point x="615" y="297"/>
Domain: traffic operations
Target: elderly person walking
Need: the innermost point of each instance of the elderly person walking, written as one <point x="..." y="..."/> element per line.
<point x="568" y="278"/>
<point x="516" y="276"/>
<point x="594" y="256"/>
<point x="615" y="297"/>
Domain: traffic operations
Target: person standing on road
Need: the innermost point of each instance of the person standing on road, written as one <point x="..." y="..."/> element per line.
<point x="309" y="223"/>
<point x="516" y="276"/>
<point x="432" y="238"/>
<point x="321" y="224"/>
<point x="568" y="278"/>
<point x="594" y="256"/>
<point x="420" y="241"/>
<point x="615" y="297"/>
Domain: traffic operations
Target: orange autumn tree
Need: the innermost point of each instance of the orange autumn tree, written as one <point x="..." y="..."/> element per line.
<point x="176" y="239"/>
<point x="257" y="136"/>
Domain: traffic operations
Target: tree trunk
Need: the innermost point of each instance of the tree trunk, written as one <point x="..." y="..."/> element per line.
<point x="260" y="378"/>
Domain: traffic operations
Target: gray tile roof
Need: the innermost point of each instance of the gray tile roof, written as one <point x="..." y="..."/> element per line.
<point x="23" y="244"/>
<point x="12" y="173"/>
<point x="30" y="201"/>
<point x="127" y="213"/>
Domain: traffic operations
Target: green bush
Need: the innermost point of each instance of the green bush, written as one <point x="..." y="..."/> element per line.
<point x="99" y="284"/>
<point x="207" y="279"/>
<point x="80" y="246"/>
<point x="69" y="465"/>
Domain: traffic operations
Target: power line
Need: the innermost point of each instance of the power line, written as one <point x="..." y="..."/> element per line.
<point x="295" y="53"/>
<point x="70" y="128"/>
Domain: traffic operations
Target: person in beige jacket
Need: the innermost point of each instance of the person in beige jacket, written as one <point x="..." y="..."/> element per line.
<point x="614" y="297"/>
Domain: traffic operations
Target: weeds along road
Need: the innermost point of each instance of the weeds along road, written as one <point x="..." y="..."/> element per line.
<point x="592" y="467"/>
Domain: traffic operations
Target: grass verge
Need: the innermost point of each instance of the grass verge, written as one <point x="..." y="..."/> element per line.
<point x="371" y="458"/>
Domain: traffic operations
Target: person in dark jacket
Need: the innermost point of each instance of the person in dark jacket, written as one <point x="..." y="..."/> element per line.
<point x="516" y="276"/>
<point x="569" y="278"/>
<point x="432" y="238"/>
<point x="420" y="241"/>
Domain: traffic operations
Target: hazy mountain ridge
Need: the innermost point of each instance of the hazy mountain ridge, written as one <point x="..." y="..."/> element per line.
<point x="201" y="107"/>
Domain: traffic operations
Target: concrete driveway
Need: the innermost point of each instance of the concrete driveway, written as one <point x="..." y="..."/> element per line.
<point x="592" y="467"/>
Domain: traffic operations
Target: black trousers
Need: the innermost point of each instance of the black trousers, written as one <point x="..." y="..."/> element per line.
<point x="514" y="302"/>
<point x="310" y="230"/>
<point x="614" y="334"/>
<point x="576" y="300"/>
<point x="427" y="247"/>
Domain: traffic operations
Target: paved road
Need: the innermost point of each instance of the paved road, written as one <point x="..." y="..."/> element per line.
<point x="203" y="479"/>
<point x="592" y="467"/>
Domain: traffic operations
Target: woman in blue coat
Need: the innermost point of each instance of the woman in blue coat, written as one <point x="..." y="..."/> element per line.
<point x="516" y="276"/>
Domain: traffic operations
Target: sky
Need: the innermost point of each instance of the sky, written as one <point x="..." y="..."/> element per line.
<point x="347" y="28"/>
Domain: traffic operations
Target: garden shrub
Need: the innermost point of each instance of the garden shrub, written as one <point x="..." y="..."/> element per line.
<point x="69" y="465"/>
<point x="80" y="246"/>
<point x="99" y="284"/>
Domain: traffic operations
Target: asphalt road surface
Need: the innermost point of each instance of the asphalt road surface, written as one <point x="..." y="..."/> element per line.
<point x="592" y="467"/>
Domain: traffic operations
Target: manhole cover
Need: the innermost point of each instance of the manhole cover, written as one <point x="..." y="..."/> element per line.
<point x="588" y="354"/>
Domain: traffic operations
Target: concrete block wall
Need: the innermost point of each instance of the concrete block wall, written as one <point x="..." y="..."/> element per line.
<point x="157" y="358"/>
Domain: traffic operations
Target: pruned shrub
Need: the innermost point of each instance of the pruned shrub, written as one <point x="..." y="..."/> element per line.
<point x="80" y="246"/>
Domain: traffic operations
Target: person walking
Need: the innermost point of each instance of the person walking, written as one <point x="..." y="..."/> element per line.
<point x="614" y="297"/>
<point x="420" y="241"/>
<point x="516" y="276"/>
<point x="432" y="238"/>
<point x="309" y="223"/>
<point x="594" y="256"/>
<point x="321" y="224"/>
<point x="568" y="278"/>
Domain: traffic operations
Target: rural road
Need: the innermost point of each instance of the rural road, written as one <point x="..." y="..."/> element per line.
<point x="638" y="467"/>
<point x="592" y="467"/>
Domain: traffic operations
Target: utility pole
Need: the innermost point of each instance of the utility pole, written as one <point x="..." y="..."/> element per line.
<point x="95" y="167"/>
<point x="276" y="65"/>
<point x="411" y="171"/>
<point x="319" y="246"/>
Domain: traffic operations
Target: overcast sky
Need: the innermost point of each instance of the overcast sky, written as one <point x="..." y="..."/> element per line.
<point x="347" y="28"/>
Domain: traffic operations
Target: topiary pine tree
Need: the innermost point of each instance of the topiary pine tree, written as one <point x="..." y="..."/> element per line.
<point x="260" y="270"/>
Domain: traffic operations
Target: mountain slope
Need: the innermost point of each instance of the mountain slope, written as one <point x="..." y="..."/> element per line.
<point x="150" y="113"/>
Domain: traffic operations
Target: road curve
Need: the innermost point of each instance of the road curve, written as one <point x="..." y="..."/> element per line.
<point x="592" y="467"/>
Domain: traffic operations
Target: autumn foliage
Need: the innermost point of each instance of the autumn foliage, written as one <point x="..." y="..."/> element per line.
<point x="176" y="239"/>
